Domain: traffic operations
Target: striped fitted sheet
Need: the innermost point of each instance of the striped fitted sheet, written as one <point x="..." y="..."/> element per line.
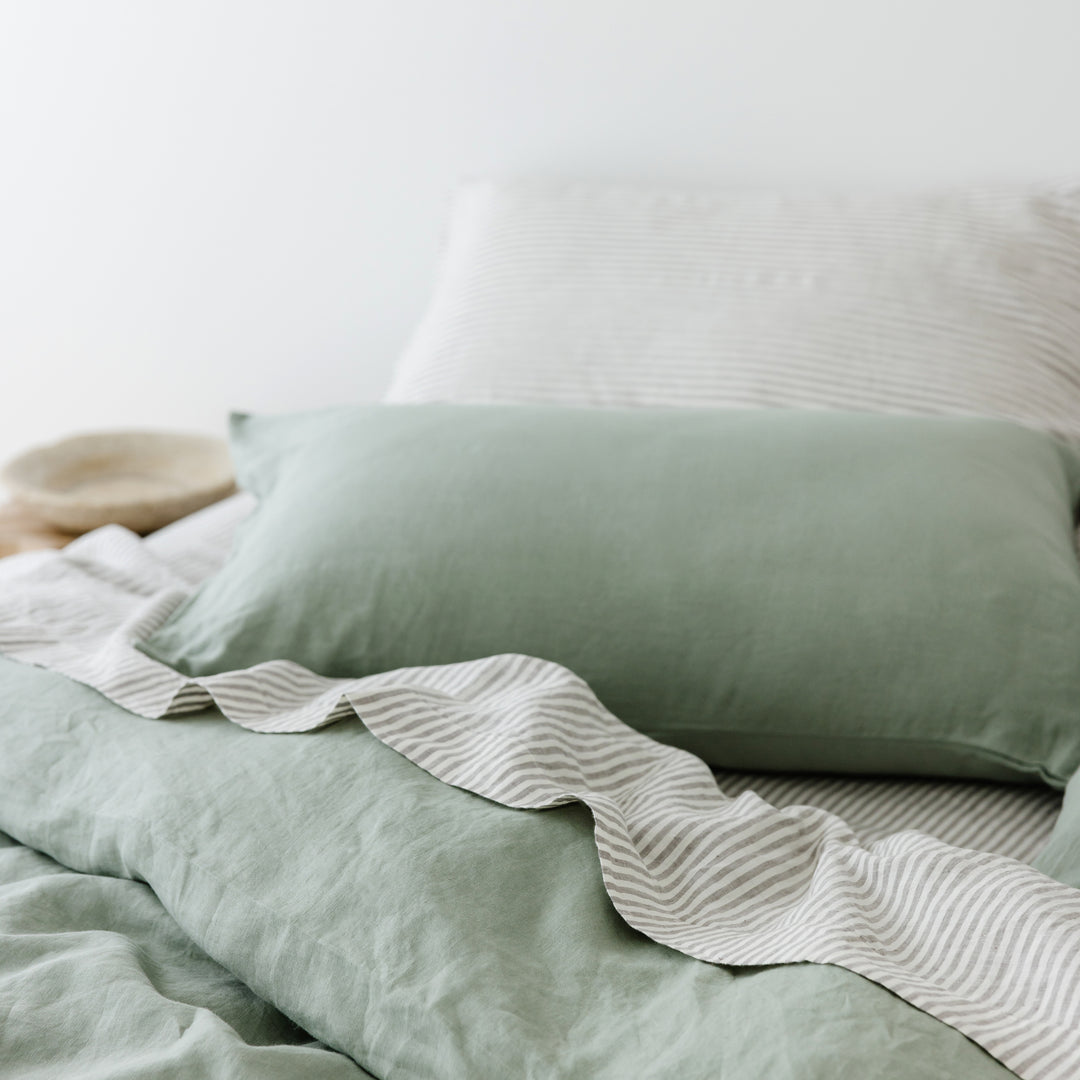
<point x="750" y="870"/>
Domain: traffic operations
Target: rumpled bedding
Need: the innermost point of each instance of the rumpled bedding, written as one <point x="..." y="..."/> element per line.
<point x="428" y="932"/>
<point x="96" y="981"/>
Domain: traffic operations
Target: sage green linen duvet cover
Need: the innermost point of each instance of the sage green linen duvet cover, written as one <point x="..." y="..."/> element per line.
<point x="97" y="981"/>
<point x="424" y="931"/>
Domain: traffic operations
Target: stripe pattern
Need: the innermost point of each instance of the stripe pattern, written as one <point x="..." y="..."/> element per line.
<point x="956" y="302"/>
<point x="979" y="940"/>
<point x="986" y="944"/>
<point x="1001" y="818"/>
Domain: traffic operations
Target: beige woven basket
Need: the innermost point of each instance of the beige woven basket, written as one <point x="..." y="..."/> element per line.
<point x="140" y="479"/>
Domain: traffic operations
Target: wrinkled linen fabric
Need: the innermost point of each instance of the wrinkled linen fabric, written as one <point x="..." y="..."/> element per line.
<point x="97" y="981"/>
<point x="731" y="881"/>
<point x="426" y="932"/>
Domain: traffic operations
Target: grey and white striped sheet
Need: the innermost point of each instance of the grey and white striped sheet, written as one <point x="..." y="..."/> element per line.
<point x="1002" y="818"/>
<point x="977" y="939"/>
<point x="954" y="302"/>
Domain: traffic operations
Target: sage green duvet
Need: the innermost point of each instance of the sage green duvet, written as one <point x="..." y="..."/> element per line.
<point x="421" y="930"/>
<point x="96" y="980"/>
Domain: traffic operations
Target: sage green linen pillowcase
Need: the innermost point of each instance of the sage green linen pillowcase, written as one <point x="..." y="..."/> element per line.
<point x="769" y="589"/>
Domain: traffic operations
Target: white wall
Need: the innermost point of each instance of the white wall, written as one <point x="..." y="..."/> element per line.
<point x="208" y="204"/>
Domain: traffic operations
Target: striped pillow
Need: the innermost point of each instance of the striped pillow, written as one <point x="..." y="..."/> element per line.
<point x="951" y="303"/>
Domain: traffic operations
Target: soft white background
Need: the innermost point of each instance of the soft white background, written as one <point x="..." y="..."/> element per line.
<point x="237" y="203"/>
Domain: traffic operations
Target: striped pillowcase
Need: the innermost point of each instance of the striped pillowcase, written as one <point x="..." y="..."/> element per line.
<point x="957" y="302"/>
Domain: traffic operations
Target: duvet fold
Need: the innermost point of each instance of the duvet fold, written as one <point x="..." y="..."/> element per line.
<point x="97" y="982"/>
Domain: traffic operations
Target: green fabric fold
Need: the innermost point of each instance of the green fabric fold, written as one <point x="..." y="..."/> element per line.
<point x="97" y="981"/>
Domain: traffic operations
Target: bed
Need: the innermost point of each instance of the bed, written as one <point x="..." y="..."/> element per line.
<point x="441" y="761"/>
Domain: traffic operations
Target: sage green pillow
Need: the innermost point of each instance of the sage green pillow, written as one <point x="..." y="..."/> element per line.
<point x="772" y="590"/>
